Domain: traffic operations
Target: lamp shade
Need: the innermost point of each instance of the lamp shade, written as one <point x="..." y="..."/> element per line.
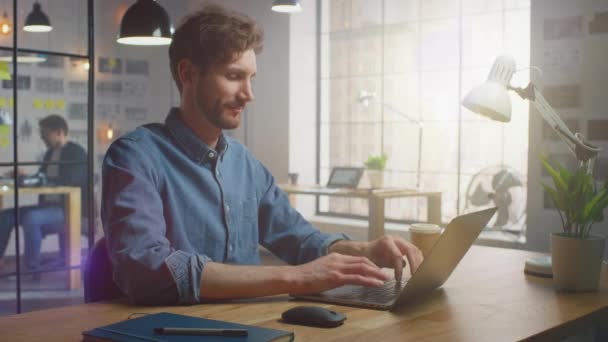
<point x="37" y="21"/>
<point x="145" y="23"/>
<point x="491" y="98"/>
<point x="287" y="6"/>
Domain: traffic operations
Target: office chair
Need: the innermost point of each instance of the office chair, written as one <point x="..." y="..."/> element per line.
<point x="98" y="282"/>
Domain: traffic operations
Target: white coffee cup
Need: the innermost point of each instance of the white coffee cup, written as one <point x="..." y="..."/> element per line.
<point x="424" y="236"/>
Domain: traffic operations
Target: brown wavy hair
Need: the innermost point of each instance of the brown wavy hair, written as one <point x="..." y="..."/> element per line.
<point x="213" y="35"/>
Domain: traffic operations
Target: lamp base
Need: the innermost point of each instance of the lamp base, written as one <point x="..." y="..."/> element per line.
<point x="539" y="266"/>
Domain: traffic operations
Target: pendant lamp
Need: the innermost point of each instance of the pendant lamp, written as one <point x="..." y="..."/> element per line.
<point x="145" y="23"/>
<point x="37" y="21"/>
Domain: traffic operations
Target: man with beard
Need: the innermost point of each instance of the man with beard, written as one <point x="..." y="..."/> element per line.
<point x="185" y="207"/>
<point x="48" y="216"/>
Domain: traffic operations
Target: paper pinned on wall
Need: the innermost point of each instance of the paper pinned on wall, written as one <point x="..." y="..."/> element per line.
<point x="49" y="104"/>
<point x="4" y="72"/>
<point x="38" y="103"/>
<point x="60" y="104"/>
<point x="5" y="132"/>
<point x="2" y="102"/>
<point x="5" y="128"/>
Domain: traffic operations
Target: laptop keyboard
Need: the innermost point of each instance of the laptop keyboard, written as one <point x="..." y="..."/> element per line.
<point x="389" y="291"/>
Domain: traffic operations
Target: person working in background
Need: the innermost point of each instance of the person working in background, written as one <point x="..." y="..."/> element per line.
<point x="48" y="215"/>
<point x="184" y="207"/>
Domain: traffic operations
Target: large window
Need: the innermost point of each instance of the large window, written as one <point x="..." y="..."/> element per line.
<point x="419" y="59"/>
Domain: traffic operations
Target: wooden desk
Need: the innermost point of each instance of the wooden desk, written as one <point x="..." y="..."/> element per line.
<point x="487" y="298"/>
<point x="72" y="213"/>
<point x="376" y="199"/>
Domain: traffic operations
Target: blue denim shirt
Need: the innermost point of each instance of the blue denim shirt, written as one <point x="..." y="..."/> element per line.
<point x="170" y="204"/>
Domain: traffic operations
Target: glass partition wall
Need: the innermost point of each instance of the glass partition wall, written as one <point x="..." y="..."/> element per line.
<point x="46" y="148"/>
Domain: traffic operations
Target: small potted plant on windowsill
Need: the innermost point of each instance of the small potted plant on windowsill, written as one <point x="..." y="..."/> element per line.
<point x="576" y="254"/>
<point x="375" y="170"/>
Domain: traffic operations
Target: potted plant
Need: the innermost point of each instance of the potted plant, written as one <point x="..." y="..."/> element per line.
<point x="375" y="166"/>
<point x="576" y="254"/>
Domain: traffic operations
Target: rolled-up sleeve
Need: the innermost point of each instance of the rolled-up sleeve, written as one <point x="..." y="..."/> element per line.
<point x="146" y="267"/>
<point x="284" y="231"/>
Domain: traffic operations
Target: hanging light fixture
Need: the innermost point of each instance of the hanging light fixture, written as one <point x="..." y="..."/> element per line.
<point x="286" y="6"/>
<point x="37" y="21"/>
<point x="145" y="23"/>
<point x="28" y="58"/>
<point x="6" y="27"/>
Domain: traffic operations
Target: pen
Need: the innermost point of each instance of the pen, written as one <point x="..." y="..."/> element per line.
<point x="200" y="331"/>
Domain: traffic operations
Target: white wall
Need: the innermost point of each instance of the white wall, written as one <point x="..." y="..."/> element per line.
<point x="569" y="55"/>
<point x="303" y="100"/>
<point x="266" y="124"/>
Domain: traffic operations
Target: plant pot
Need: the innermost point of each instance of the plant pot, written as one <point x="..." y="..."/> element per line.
<point x="376" y="178"/>
<point x="576" y="262"/>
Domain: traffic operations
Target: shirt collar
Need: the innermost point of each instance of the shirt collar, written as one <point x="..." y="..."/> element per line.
<point x="194" y="147"/>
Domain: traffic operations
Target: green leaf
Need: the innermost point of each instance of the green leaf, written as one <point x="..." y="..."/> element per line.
<point x="560" y="185"/>
<point x="595" y="208"/>
<point x="578" y="199"/>
<point x="376" y="162"/>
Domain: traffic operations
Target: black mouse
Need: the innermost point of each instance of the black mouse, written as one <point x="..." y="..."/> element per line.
<point x="314" y="316"/>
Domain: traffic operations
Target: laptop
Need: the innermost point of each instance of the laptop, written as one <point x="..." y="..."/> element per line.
<point x="455" y="241"/>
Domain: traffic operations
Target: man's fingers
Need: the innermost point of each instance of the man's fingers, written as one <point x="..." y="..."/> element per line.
<point x="414" y="256"/>
<point x="364" y="270"/>
<point x="398" y="268"/>
<point x="356" y="259"/>
<point x="402" y="245"/>
<point x="412" y="253"/>
<point x="356" y="279"/>
<point x="396" y="260"/>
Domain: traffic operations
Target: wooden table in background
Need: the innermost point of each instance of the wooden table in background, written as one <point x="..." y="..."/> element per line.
<point x="376" y="199"/>
<point x="72" y="214"/>
<point x="487" y="298"/>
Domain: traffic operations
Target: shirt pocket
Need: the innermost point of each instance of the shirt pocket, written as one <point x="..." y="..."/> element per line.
<point x="249" y="210"/>
<point x="247" y="229"/>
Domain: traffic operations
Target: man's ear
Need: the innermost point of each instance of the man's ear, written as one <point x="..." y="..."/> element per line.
<point x="185" y="71"/>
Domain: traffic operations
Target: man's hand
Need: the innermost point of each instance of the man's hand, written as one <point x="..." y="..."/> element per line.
<point x="335" y="270"/>
<point x="387" y="251"/>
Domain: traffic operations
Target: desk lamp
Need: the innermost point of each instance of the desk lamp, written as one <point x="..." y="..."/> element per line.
<point x="491" y="99"/>
<point x="367" y="97"/>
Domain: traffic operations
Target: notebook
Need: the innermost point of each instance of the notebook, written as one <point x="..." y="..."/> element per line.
<point x="142" y="329"/>
<point x="458" y="237"/>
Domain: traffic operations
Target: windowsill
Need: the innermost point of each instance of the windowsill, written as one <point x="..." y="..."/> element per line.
<point x="357" y="229"/>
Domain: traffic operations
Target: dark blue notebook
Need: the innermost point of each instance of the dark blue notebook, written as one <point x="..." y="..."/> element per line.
<point x="142" y="329"/>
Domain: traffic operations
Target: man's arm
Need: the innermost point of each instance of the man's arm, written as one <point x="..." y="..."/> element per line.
<point x="222" y="281"/>
<point x="282" y="229"/>
<point x="146" y="267"/>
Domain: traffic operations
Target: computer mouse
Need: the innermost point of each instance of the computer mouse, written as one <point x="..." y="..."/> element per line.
<point x="314" y="316"/>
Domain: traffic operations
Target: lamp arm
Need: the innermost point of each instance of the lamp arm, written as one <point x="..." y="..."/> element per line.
<point x="420" y="132"/>
<point x="400" y="113"/>
<point x="582" y="150"/>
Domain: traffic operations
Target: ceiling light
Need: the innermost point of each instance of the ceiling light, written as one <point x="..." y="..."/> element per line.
<point x="24" y="59"/>
<point x="145" y="23"/>
<point x="287" y="6"/>
<point x="37" y="21"/>
<point x="6" y="27"/>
